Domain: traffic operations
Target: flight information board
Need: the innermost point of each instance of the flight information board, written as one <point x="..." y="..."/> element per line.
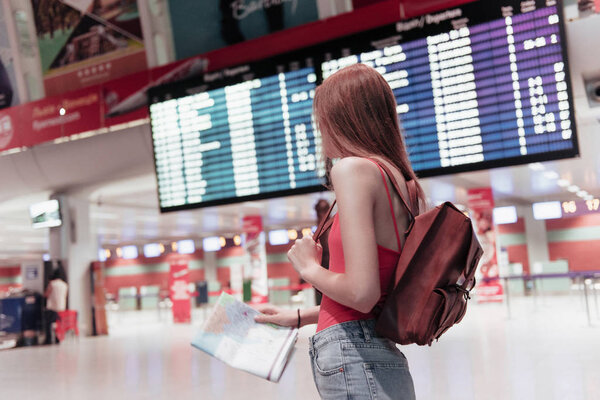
<point x="482" y="85"/>
<point x="477" y="86"/>
<point x="252" y="137"/>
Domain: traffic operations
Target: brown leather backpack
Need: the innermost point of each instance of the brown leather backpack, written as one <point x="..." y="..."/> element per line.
<point x="434" y="276"/>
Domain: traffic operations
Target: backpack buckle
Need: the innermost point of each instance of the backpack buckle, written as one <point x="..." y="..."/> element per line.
<point x="464" y="291"/>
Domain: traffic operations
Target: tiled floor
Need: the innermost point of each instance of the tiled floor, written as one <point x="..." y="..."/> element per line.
<point x="543" y="352"/>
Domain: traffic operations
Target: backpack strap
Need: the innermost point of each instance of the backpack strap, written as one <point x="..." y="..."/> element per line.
<point x="324" y="224"/>
<point x="411" y="186"/>
<point x="389" y="196"/>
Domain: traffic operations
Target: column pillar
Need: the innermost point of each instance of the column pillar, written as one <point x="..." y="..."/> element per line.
<point x="74" y="245"/>
<point x="537" y="238"/>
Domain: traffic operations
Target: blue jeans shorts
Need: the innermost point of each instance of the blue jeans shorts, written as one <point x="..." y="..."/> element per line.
<point x="350" y="361"/>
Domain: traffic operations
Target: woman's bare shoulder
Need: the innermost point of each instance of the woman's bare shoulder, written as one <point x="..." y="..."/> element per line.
<point x="354" y="169"/>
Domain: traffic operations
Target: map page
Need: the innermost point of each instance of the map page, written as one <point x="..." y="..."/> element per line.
<point x="231" y="335"/>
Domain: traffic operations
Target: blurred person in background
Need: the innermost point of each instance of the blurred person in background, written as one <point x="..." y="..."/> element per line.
<point x="56" y="300"/>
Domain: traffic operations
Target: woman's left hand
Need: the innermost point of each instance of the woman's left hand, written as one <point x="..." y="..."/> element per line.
<point x="305" y="255"/>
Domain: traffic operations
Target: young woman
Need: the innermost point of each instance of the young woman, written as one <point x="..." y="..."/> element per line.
<point x="355" y="111"/>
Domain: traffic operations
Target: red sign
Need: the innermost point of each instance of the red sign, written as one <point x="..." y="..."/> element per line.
<point x="481" y="204"/>
<point x="252" y="225"/>
<point x="126" y="99"/>
<point x="255" y="269"/>
<point x="179" y="293"/>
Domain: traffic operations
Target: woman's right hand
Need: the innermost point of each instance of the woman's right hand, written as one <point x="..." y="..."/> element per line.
<point x="276" y="315"/>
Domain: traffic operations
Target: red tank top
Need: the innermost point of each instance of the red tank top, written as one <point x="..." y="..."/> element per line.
<point x="332" y="312"/>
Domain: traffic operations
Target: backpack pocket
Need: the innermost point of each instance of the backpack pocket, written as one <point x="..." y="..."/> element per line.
<point x="455" y="307"/>
<point x="446" y="306"/>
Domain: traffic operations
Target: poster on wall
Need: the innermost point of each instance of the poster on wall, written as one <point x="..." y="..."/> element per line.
<point x="220" y="23"/>
<point x="8" y="84"/>
<point x="255" y="267"/>
<point x="179" y="293"/>
<point x="481" y="205"/>
<point x="87" y="42"/>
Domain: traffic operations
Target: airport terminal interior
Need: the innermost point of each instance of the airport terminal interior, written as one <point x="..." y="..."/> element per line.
<point x="159" y="158"/>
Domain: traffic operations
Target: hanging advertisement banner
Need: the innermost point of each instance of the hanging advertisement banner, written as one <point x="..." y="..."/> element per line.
<point x="86" y="42"/>
<point x="126" y="98"/>
<point x="221" y="23"/>
<point x="481" y="205"/>
<point x="8" y="84"/>
<point x="256" y="289"/>
<point x="179" y="293"/>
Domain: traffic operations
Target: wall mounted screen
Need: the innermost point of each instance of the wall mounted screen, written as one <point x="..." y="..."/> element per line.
<point x="478" y="86"/>
<point x="45" y="214"/>
<point x="240" y="134"/>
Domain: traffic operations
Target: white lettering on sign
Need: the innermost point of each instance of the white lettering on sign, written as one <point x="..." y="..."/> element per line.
<point x="242" y="8"/>
<point x="6" y="131"/>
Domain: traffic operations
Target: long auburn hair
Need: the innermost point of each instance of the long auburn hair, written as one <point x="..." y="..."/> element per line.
<point x="355" y="111"/>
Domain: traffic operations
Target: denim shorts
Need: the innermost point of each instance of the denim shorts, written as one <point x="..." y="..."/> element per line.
<point x="350" y="361"/>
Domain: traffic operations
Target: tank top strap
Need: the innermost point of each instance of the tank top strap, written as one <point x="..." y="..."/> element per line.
<point x="387" y="190"/>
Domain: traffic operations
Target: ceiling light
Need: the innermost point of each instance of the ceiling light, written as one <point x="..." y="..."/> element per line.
<point x="547" y="210"/>
<point x="563" y="183"/>
<point x="211" y="243"/>
<point x="505" y="215"/>
<point x="278" y="237"/>
<point x="186" y="246"/>
<point x="573" y="188"/>
<point x="237" y="240"/>
<point x="551" y="175"/>
<point x="582" y="193"/>
<point x="536" y="167"/>
<point x="589" y="197"/>
<point x="152" y="250"/>
<point x="130" y="252"/>
<point x="293" y="234"/>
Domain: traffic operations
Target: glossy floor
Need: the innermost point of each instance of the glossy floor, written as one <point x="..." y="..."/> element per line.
<point x="545" y="351"/>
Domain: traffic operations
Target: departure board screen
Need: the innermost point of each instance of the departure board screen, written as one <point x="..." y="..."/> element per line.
<point x="482" y="85"/>
<point x="478" y="86"/>
<point x="252" y="137"/>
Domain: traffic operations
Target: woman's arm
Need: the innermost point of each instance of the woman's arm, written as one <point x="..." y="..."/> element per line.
<point x="286" y="317"/>
<point x="48" y="291"/>
<point x="355" y="183"/>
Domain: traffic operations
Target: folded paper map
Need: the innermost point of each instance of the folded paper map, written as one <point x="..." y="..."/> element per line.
<point x="231" y="335"/>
